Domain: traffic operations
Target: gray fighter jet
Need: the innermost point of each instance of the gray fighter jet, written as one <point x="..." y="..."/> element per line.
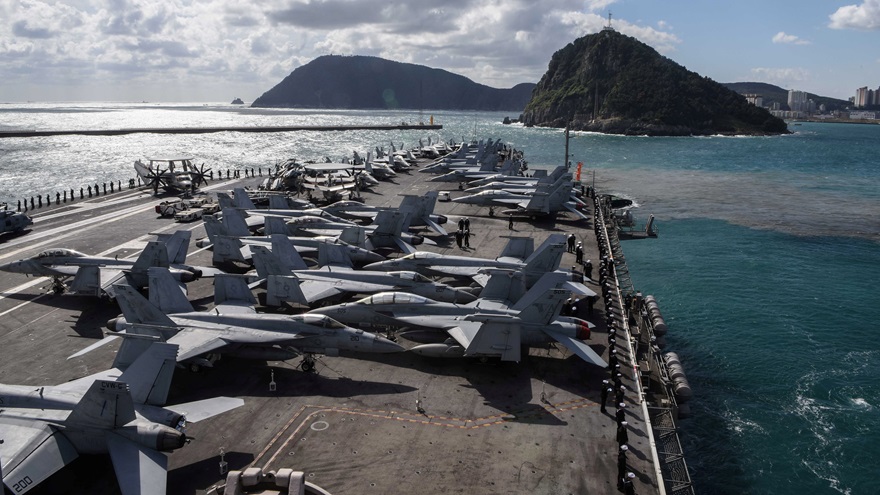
<point x="544" y="259"/>
<point x="114" y="412"/>
<point x="287" y="278"/>
<point x="498" y="335"/>
<point x="546" y="199"/>
<point x="490" y="327"/>
<point x="389" y="230"/>
<point x="420" y="209"/>
<point x="97" y="275"/>
<point x="230" y="239"/>
<point x="234" y="327"/>
<point x="505" y="294"/>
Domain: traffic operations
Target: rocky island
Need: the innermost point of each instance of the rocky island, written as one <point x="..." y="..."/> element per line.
<point x="612" y="83"/>
<point x="361" y="82"/>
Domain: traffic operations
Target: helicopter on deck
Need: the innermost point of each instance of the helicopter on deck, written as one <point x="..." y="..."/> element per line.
<point x="172" y="174"/>
<point x="11" y="221"/>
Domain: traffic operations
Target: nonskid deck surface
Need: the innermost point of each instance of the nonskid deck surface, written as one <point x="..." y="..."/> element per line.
<point x="397" y="423"/>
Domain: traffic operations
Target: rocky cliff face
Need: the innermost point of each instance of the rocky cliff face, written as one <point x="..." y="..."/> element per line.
<point x="612" y="83"/>
<point x="334" y="81"/>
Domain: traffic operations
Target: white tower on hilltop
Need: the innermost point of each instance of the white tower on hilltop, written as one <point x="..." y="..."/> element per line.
<point x="608" y="27"/>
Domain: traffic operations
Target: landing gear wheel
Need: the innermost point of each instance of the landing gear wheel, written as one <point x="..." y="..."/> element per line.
<point x="195" y="368"/>
<point x="308" y="365"/>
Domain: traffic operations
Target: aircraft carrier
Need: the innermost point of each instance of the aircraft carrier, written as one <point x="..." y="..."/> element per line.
<point x="365" y="424"/>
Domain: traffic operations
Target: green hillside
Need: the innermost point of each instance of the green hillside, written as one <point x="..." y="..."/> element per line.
<point x="610" y="82"/>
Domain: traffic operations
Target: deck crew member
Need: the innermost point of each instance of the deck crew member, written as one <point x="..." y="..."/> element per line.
<point x="606" y="391"/>
<point x="622" y="435"/>
<point x="621" y="462"/>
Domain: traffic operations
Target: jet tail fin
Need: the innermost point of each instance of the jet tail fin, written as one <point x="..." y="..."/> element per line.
<point x="213" y="227"/>
<point x="545" y="309"/>
<point x="517" y="249"/>
<point x="283" y="249"/>
<point x="275" y="225"/>
<point x="548" y="255"/>
<point x="278" y="202"/>
<point x="356" y="236"/>
<point x="154" y="254"/>
<point x="105" y="405"/>
<point x="165" y="292"/>
<point x="284" y="288"/>
<point x="87" y="281"/>
<point x="233" y="290"/>
<point x="137" y="309"/>
<point x="177" y="246"/>
<point x="494" y="338"/>
<point x="149" y="376"/>
<point x="242" y="200"/>
<point x="227" y="249"/>
<point x="233" y="220"/>
<point x="281" y="260"/>
<point x="333" y="255"/>
<point x="503" y="285"/>
<point x="224" y="200"/>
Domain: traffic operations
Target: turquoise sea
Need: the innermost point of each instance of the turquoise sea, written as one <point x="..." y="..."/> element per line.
<point x="766" y="267"/>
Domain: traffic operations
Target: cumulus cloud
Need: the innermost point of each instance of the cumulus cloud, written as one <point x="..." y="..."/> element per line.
<point x="865" y="16"/>
<point x="22" y="28"/>
<point x="130" y="45"/>
<point x="789" y="39"/>
<point x="785" y="77"/>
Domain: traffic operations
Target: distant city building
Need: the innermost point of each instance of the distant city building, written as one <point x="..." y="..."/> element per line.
<point x="797" y="101"/>
<point x="861" y="98"/>
<point x="788" y="114"/>
<point x="866" y="97"/>
<point x="863" y="115"/>
<point x="754" y="99"/>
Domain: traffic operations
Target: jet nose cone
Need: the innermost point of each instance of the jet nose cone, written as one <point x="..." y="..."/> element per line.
<point x="374" y="257"/>
<point x="15" y="267"/>
<point x="383" y="345"/>
<point x="462" y="296"/>
<point x="376" y="266"/>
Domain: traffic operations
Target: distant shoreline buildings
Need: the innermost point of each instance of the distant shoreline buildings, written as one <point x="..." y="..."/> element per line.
<point x="864" y="106"/>
<point x="866" y="97"/>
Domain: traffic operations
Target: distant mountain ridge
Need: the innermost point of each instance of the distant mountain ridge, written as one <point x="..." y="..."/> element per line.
<point x="362" y="82"/>
<point x="612" y="83"/>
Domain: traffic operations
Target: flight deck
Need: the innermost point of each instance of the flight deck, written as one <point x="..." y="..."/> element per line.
<point x="359" y="424"/>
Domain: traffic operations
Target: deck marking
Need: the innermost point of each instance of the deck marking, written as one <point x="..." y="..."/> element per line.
<point x="441" y="421"/>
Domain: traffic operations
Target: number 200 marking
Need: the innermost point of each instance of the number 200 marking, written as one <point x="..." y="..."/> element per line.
<point x="22" y="484"/>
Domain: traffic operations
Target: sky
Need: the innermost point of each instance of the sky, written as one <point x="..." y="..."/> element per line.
<point x="217" y="50"/>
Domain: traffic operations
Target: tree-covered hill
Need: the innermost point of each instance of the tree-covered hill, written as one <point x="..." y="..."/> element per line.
<point x="356" y="82"/>
<point x="610" y="82"/>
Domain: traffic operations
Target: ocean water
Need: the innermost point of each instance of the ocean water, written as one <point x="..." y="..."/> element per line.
<point x="766" y="266"/>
